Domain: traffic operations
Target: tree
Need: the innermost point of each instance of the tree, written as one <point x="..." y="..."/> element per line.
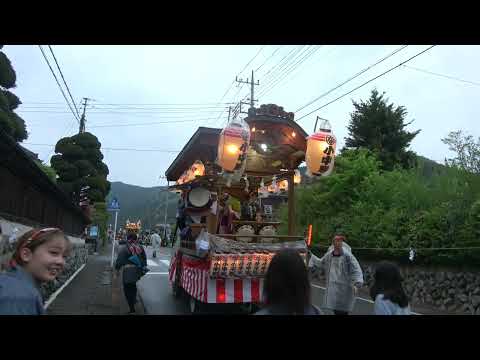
<point x="380" y="128"/>
<point x="78" y="163"/>
<point x="466" y="149"/>
<point x="48" y="170"/>
<point x="10" y="122"/>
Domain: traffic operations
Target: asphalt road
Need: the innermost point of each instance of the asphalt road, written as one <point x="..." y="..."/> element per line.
<point x="155" y="291"/>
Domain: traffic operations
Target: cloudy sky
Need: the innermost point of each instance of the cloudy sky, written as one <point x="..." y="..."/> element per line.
<point x="155" y="97"/>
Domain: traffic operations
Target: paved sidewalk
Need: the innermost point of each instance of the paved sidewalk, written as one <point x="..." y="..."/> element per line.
<point x="94" y="291"/>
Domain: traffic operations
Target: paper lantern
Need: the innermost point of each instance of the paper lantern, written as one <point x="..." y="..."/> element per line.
<point x="283" y="185"/>
<point x="297" y="177"/>
<point x="198" y="168"/>
<point x="321" y="151"/>
<point x="233" y="146"/>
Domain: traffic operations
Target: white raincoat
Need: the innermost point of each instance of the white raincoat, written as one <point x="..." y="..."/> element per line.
<point x="342" y="273"/>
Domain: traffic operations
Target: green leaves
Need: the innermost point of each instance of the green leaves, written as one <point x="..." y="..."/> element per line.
<point x="79" y="163"/>
<point x="380" y="127"/>
<point x="394" y="210"/>
<point x="7" y="74"/>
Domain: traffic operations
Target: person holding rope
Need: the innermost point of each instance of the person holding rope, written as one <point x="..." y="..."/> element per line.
<point x="343" y="273"/>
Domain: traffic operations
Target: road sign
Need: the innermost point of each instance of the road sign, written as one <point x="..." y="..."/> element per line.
<point x="114" y="205"/>
<point x="94" y="231"/>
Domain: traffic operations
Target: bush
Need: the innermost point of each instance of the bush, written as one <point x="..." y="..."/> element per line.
<point x="394" y="211"/>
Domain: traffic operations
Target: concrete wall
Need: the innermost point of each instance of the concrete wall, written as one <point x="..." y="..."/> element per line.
<point x="78" y="256"/>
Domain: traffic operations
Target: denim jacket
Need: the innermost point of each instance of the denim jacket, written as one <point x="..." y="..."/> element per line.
<point x="19" y="293"/>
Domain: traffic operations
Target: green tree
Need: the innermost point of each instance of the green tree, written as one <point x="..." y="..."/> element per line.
<point x="79" y="163"/>
<point x="100" y="217"/>
<point x="380" y="127"/>
<point x="10" y="122"/>
<point x="467" y="151"/>
<point x="51" y="173"/>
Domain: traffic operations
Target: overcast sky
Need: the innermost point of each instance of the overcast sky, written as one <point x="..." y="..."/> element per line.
<point x="183" y="75"/>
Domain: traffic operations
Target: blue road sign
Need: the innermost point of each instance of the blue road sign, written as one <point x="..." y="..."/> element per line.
<point x="114" y="205"/>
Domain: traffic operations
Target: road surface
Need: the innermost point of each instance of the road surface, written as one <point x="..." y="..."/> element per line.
<point x="154" y="289"/>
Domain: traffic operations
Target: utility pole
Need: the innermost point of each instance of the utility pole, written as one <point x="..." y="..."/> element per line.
<point x="82" y="119"/>
<point x="252" y="88"/>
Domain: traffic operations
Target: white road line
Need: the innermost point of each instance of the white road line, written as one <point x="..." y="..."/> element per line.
<point x="166" y="262"/>
<point x="156" y="273"/>
<point x="359" y="298"/>
<point x="151" y="263"/>
<point x="56" y="293"/>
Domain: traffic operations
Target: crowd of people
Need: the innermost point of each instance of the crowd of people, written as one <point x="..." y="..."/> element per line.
<point x="40" y="256"/>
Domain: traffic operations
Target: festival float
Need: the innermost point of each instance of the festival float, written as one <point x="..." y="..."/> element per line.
<point x="250" y="157"/>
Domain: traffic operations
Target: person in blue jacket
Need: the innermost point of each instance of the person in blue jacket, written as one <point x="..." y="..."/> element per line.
<point x="39" y="257"/>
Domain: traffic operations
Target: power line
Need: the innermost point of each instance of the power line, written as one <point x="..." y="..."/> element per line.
<point x="282" y="64"/>
<point x="115" y="149"/>
<point x="233" y="82"/>
<point x="274" y="79"/>
<point x="294" y="67"/>
<point x="351" y="78"/>
<point x="442" y="75"/>
<point x="121" y="104"/>
<point x="150" y="123"/>
<point x="271" y="55"/>
<point x="63" y="78"/>
<point x="367" y="82"/>
<point x="272" y="69"/>
<point x="259" y="51"/>
<point x="58" y="83"/>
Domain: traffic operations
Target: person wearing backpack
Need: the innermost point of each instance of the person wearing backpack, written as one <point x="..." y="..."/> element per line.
<point x="343" y="273"/>
<point x="133" y="260"/>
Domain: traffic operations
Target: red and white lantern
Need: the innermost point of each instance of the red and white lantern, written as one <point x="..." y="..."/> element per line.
<point x="233" y="146"/>
<point x="320" y="154"/>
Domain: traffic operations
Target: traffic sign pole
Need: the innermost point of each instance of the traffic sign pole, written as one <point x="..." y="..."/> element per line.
<point x="114" y="238"/>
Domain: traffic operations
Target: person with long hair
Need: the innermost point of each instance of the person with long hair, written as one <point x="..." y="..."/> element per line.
<point x="132" y="271"/>
<point x="286" y="288"/>
<point x="387" y="291"/>
<point x="39" y="257"/>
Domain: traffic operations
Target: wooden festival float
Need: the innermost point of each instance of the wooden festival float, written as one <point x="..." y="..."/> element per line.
<point x="251" y="156"/>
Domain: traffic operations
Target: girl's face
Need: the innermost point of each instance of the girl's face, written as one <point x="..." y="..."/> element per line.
<point x="47" y="261"/>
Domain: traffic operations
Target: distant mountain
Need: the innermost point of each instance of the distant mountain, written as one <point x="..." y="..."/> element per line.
<point x="142" y="203"/>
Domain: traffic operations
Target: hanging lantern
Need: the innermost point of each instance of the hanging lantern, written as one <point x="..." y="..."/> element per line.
<point x="198" y="169"/>
<point x="283" y="185"/>
<point x="321" y="151"/>
<point x="297" y="177"/>
<point x="233" y="145"/>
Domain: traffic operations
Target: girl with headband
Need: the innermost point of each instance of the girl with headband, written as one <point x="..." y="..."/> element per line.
<point x="39" y="257"/>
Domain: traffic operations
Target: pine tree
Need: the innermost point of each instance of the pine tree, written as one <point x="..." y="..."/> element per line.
<point x="380" y="127"/>
<point x="10" y="122"/>
<point x="78" y="163"/>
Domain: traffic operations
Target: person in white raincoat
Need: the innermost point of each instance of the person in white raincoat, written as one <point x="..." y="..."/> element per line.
<point x="343" y="273"/>
<point x="155" y="240"/>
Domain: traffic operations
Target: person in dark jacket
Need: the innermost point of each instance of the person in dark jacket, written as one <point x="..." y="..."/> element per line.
<point x="39" y="257"/>
<point x="132" y="270"/>
<point x="286" y="288"/>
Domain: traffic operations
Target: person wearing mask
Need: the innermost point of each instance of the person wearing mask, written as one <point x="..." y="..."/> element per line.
<point x="133" y="259"/>
<point x="39" y="257"/>
<point x="343" y="274"/>
<point x="387" y="291"/>
<point x="287" y="289"/>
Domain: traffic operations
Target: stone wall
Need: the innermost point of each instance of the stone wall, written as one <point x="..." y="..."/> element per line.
<point x="77" y="258"/>
<point x="439" y="289"/>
